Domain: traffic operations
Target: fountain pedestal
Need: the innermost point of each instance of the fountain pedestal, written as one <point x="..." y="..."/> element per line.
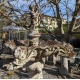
<point x="34" y="38"/>
<point x="35" y="68"/>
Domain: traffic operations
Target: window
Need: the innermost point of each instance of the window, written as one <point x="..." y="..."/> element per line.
<point x="47" y="25"/>
<point x="50" y="28"/>
<point x="41" y="24"/>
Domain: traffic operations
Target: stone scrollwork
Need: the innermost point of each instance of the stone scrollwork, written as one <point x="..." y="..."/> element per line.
<point x="31" y="57"/>
<point x="23" y="55"/>
<point x="22" y="58"/>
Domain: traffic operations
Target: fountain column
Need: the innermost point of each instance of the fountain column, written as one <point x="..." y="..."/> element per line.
<point x="35" y="68"/>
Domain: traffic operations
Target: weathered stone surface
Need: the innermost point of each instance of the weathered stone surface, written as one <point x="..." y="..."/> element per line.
<point x="34" y="33"/>
<point x="35" y="69"/>
<point x="25" y="54"/>
<point x="37" y="53"/>
<point x="6" y="56"/>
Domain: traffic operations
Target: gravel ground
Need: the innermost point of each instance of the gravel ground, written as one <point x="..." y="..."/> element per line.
<point x="49" y="72"/>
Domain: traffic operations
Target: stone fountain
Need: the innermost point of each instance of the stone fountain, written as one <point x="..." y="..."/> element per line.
<point x="31" y="56"/>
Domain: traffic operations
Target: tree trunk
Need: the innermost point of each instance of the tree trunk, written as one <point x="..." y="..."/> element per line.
<point x="61" y="31"/>
<point x="59" y="20"/>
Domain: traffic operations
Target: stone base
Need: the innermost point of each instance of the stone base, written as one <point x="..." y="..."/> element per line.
<point x="35" y="70"/>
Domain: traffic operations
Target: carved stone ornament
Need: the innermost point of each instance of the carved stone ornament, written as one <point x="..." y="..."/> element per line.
<point x="31" y="56"/>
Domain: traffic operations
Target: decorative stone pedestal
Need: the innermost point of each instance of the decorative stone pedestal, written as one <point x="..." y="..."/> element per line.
<point x="64" y="67"/>
<point x="35" y="68"/>
<point x="34" y="38"/>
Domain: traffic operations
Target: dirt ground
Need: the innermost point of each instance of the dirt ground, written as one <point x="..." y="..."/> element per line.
<point x="49" y="72"/>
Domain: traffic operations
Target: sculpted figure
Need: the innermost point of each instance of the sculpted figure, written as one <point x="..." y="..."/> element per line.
<point x="35" y="15"/>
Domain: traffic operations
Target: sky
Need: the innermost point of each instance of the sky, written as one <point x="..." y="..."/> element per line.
<point x="47" y="10"/>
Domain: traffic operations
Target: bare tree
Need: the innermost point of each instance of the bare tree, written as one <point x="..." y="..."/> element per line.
<point x="73" y="21"/>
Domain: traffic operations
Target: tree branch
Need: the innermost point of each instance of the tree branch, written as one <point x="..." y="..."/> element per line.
<point x="2" y="3"/>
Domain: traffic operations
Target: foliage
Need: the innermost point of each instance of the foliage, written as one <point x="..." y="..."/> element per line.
<point x="76" y="36"/>
<point x="56" y="30"/>
<point x="65" y="28"/>
<point x="42" y="30"/>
